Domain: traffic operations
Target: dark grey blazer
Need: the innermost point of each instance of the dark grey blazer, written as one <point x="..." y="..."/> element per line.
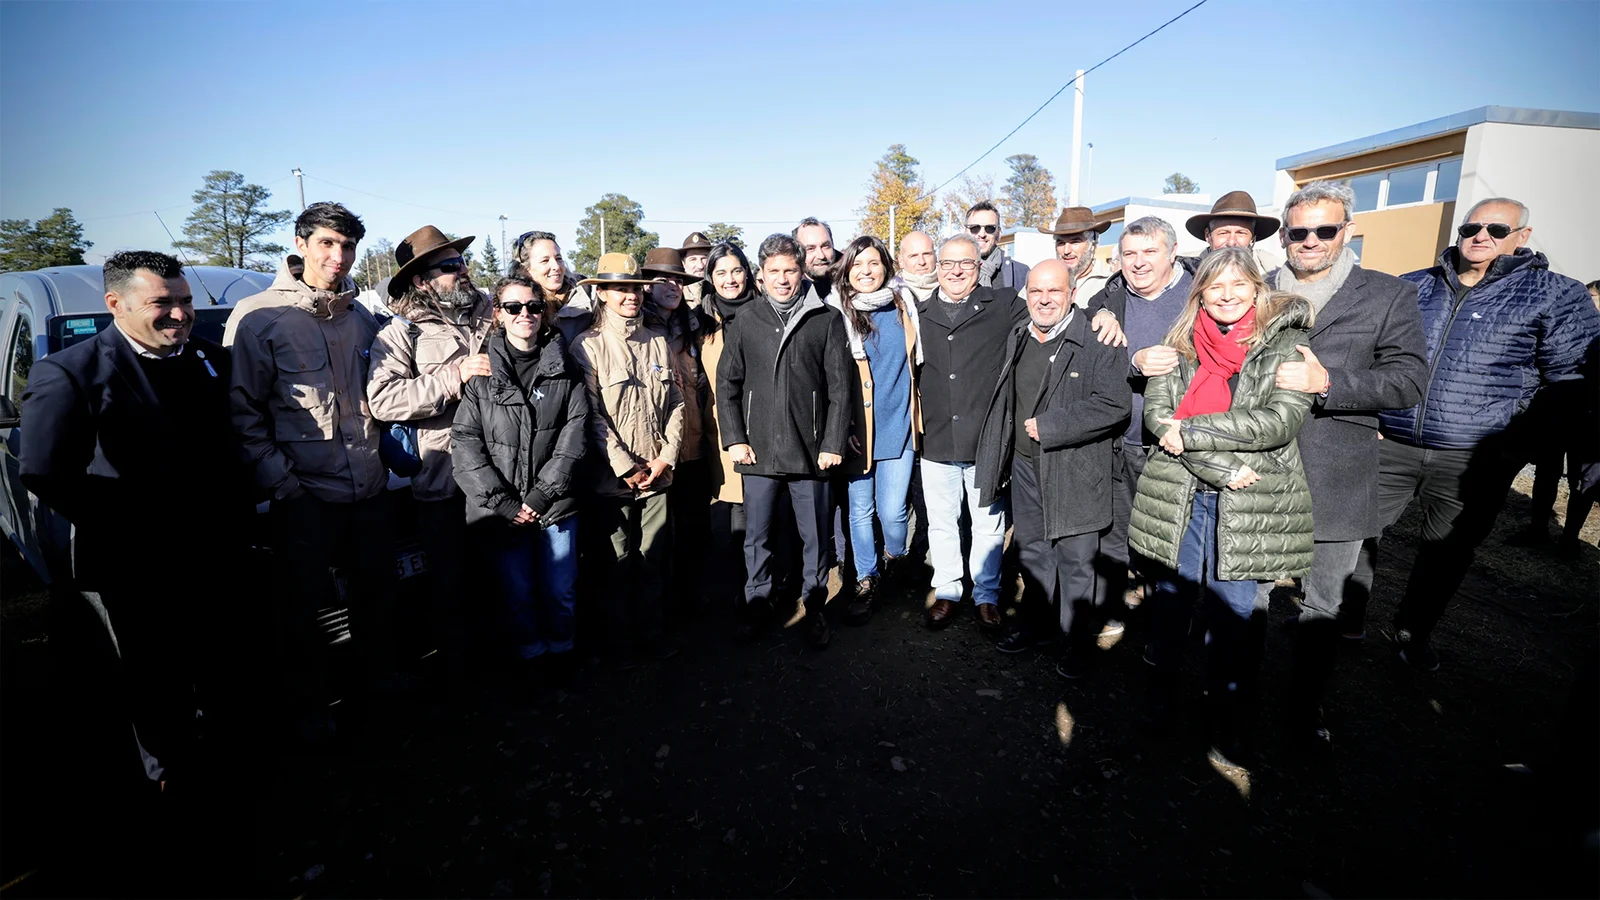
<point x="1369" y="337"/>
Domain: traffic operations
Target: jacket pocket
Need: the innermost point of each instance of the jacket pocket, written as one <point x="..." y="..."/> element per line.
<point x="814" y="435"/>
<point x="304" y="396"/>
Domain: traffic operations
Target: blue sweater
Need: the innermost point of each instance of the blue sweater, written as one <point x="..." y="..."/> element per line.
<point x="891" y="384"/>
<point x="1147" y="324"/>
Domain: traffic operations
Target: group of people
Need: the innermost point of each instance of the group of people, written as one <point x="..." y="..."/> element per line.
<point x="1151" y="429"/>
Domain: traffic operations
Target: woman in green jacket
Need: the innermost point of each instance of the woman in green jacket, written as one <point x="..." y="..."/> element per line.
<point x="1223" y="503"/>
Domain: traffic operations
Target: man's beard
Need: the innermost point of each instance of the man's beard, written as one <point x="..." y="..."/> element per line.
<point x="457" y="304"/>
<point x="1328" y="259"/>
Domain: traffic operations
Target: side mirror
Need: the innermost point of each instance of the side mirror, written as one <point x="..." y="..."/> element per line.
<point x="10" y="414"/>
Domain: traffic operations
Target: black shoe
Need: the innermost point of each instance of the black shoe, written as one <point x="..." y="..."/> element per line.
<point x="866" y="601"/>
<point x="1022" y="640"/>
<point x="1416" y="653"/>
<point x="754" y="620"/>
<point x="816" y="627"/>
<point x="1072" y="666"/>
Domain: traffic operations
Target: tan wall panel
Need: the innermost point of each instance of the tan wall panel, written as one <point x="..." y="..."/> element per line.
<point x="1404" y="240"/>
<point x="1387" y="158"/>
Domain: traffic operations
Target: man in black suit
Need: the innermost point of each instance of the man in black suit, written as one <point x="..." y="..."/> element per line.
<point x="128" y="437"/>
<point x="1365" y="355"/>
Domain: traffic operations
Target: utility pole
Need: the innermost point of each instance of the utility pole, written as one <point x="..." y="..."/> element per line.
<point x="301" y="178"/>
<point x="502" y="237"/>
<point x="891" y="228"/>
<point x="1088" y="175"/>
<point x="1077" y="134"/>
<point x="602" y="233"/>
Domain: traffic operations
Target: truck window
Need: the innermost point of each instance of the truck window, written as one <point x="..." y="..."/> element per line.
<point x="21" y="357"/>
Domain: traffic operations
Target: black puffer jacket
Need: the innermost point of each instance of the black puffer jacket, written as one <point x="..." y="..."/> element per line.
<point x="786" y="390"/>
<point x="516" y="445"/>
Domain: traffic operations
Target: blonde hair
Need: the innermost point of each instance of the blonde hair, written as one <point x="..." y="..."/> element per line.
<point x="1181" y="336"/>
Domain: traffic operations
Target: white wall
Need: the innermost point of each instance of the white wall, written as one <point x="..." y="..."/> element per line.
<point x="1031" y="248"/>
<point x="1555" y="171"/>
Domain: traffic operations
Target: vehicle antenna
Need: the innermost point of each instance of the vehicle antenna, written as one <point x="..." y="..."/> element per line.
<point x="186" y="263"/>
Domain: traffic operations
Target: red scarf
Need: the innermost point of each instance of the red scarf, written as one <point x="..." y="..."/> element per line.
<point x="1221" y="357"/>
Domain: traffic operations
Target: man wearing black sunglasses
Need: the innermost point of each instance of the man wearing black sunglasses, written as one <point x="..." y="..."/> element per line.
<point x="419" y="362"/>
<point x="1364" y="355"/>
<point x="995" y="269"/>
<point x="1506" y="338"/>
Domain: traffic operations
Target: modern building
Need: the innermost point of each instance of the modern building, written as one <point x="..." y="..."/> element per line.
<point x="1414" y="185"/>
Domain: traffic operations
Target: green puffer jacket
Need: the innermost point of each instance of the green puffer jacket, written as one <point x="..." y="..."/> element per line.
<point x="1264" y="530"/>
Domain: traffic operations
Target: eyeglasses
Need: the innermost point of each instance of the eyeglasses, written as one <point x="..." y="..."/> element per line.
<point x="449" y="265"/>
<point x="1496" y="230"/>
<point x="967" y="265"/>
<point x="514" y="309"/>
<point x="984" y="229"/>
<point x="1323" y="232"/>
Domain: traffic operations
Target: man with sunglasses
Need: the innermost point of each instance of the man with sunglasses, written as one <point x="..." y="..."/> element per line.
<point x="995" y="269"/>
<point x="420" y="360"/>
<point x="1506" y="338"/>
<point x="299" y="404"/>
<point x="1364" y="355"/>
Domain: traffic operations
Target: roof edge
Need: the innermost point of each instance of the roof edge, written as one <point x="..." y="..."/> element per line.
<point x="1461" y="121"/>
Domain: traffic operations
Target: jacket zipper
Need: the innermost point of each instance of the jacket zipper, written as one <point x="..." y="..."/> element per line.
<point x="814" y="416"/>
<point x="1214" y="432"/>
<point x="1433" y="366"/>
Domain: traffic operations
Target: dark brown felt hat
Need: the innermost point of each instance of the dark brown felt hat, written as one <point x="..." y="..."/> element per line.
<point x="1076" y="219"/>
<point x="414" y="249"/>
<point x="1234" y="205"/>
<point x="667" y="263"/>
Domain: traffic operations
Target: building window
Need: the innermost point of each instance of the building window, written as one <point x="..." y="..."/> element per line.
<point x="1433" y="182"/>
<point x="1448" y="180"/>
<point x="1112" y="235"/>
<point x="1368" y="190"/>
<point x="1408" y="185"/>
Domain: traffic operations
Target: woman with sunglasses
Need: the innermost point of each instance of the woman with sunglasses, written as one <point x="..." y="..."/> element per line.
<point x="571" y="306"/>
<point x="1223" y="502"/>
<point x="882" y="328"/>
<point x="518" y="437"/>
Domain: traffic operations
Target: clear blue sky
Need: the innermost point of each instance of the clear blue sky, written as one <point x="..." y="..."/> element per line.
<point x="702" y="112"/>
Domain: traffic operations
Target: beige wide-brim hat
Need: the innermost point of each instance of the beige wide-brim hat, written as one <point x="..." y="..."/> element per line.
<point x="618" y="268"/>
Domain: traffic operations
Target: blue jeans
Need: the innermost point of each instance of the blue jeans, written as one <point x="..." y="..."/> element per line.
<point x="1227" y="605"/>
<point x="880" y="494"/>
<point x="537" y="571"/>
<point x="944" y="486"/>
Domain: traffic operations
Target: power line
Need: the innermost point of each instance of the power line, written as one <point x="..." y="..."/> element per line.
<point x="1059" y="93"/>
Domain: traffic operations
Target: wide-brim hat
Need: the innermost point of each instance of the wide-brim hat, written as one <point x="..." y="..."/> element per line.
<point x="1076" y="219"/>
<point x="618" y="268"/>
<point x="1234" y="205"/>
<point x="696" y="240"/>
<point x="414" y="249"/>
<point x="667" y="263"/>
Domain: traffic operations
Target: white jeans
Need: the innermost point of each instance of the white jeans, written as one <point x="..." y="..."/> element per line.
<point x="943" y="486"/>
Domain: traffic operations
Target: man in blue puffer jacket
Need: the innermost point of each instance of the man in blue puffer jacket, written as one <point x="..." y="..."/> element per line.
<point x="1504" y="334"/>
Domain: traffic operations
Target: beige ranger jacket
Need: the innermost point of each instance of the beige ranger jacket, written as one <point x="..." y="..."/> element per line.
<point x="423" y="389"/>
<point x="299" y="397"/>
<point x="636" y="408"/>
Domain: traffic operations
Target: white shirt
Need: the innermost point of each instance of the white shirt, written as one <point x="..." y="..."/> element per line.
<point x="139" y="348"/>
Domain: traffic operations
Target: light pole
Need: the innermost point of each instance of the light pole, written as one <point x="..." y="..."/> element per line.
<point x="301" y="178"/>
<point x="502" y="237"/>
<point x="892" y="207"/>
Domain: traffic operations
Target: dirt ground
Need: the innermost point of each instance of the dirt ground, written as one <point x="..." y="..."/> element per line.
<point x="903" y="762"/>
